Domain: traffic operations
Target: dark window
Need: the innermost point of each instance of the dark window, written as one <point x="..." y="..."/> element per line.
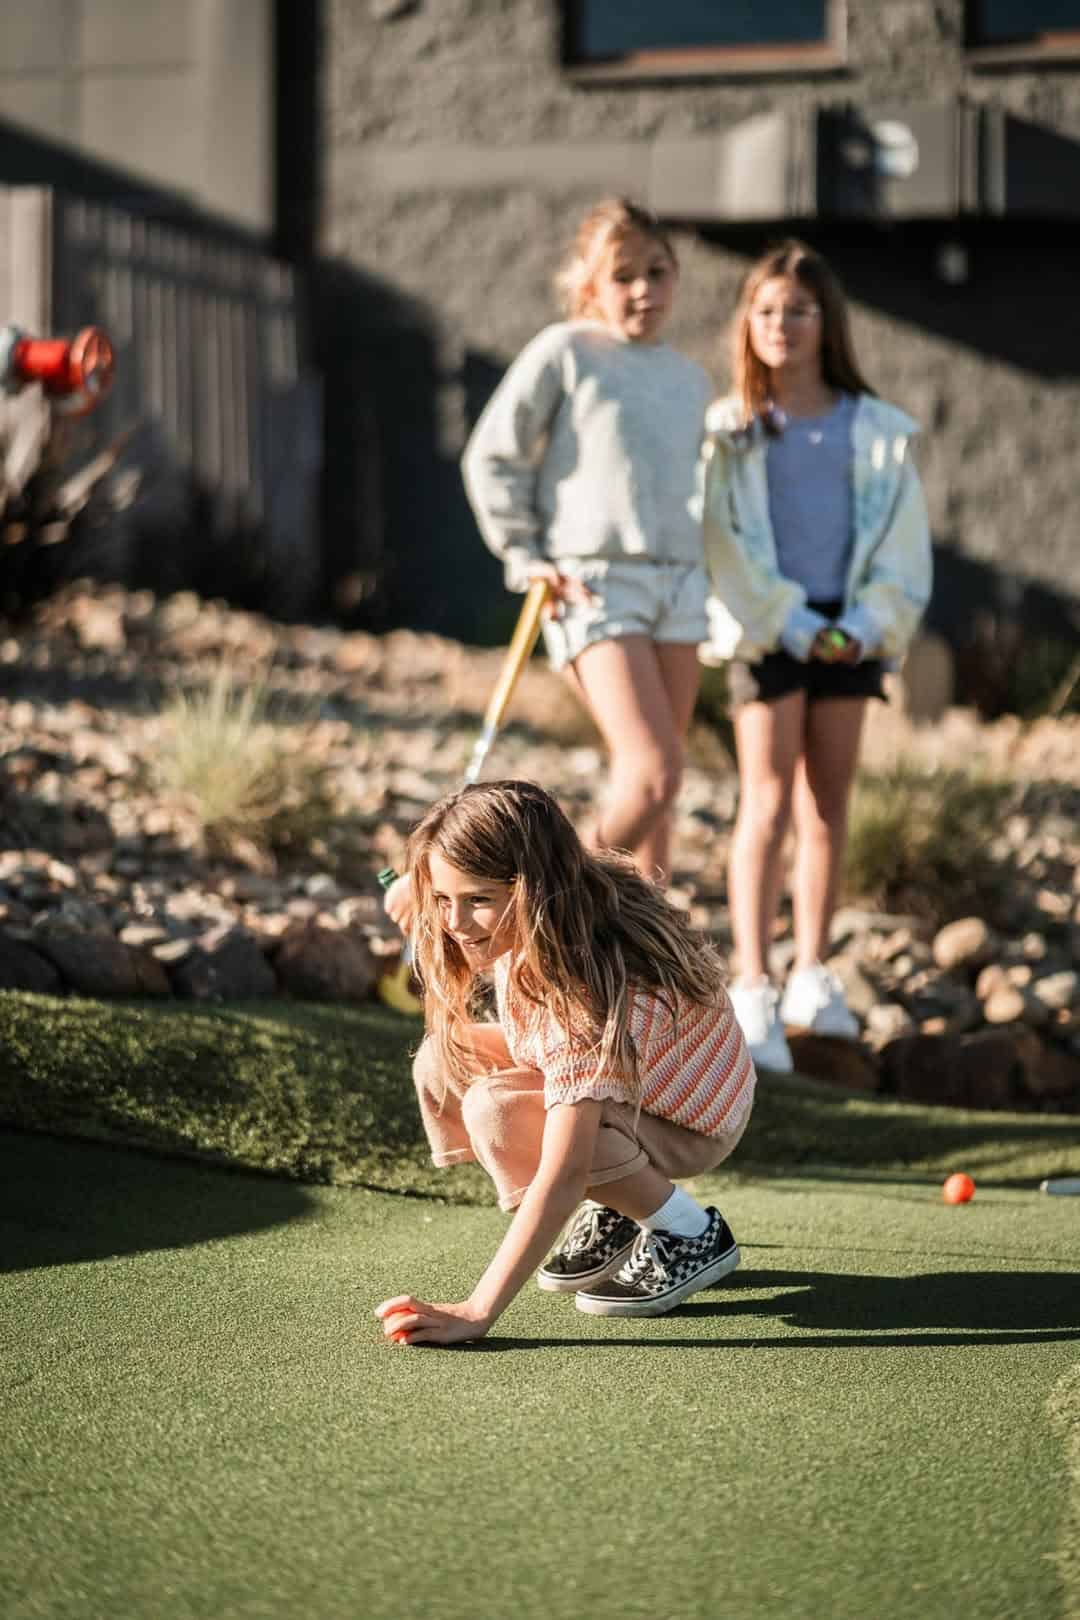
<point x="701" y="35"/>
<point x="1046" y="23"/>
<point x="606" y="28"/>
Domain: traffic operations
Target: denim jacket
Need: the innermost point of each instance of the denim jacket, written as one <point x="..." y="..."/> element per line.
<point x="752" y="608"/>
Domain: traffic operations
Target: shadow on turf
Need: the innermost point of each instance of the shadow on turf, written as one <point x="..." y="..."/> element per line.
<point x="959" y="1301"/>
<point x="823" y="1310"/>
<point x="63" y="1201"/>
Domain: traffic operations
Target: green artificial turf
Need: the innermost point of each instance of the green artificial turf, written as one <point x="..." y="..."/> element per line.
<point x="876" y="1418"/>
<point x="323" y="1094"/>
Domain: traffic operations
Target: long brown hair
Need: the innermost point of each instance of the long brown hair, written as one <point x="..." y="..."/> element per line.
<point x="839" y="367"/>
<point x="607" y="222"/>
<point x="588" y="928"/>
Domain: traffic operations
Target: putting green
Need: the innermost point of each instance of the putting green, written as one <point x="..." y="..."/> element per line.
<point x="877" y="1416"/>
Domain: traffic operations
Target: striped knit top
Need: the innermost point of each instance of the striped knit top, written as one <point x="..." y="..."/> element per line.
<point x="695" y="1069"/>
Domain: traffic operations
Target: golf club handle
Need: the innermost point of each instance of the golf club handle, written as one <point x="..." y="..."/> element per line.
<point x="522" y="642"/>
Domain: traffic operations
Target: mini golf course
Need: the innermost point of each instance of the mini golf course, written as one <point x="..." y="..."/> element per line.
<point x="878" y="1416"/>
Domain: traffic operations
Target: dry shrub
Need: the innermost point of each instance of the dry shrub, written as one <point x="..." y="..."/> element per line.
<point x="919" y="838"/>
<point x="245" y="778"/>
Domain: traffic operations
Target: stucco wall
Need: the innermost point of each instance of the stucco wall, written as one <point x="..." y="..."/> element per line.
<point x="179" y="95"/>
<point x="462" y="272"/>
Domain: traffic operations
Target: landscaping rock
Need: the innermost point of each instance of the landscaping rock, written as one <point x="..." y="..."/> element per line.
<point x="988" y="1069"/>
<point x="842" y="1063"/>
<point x="317" y="963"/>
<point x="1056" y="1075"/>
<point x="224" y="965"/>
<point x="1011" y="1003"/>
<point x="991" y="978"/>
<point x="1057" y="990"/>
<point x="23" y="968"/>
<point x="860" y="991"/>
<point x="99" y="964"/>
<point x="887" y="1021"/>
<point x="967" y="943"/>
<point x="850" y="922"/>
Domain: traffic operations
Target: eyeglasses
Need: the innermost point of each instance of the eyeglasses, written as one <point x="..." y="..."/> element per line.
<point x="799" y="313"/>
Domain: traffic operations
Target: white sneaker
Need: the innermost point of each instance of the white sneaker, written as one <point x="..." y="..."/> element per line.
<point x="755" y="1010"/>
<point x="814" y="999"/>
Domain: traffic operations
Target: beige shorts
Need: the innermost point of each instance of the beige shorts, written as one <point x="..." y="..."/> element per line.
<point x="498" y="1121"/>
<point x="664" y="601"/>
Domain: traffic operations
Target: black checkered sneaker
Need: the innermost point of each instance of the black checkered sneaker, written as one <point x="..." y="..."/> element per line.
<point x="595" y="1244"/>
<point x="663" y="1270"/>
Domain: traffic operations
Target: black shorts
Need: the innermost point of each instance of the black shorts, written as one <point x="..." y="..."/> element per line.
<point x="777" y="674"/>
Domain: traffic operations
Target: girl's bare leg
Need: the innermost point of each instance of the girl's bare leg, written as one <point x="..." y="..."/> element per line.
<point x="641" y="695"/>
<point x="768" y="741"/>
<point x="822" y="792"/>
<point x="638" y="1195"/>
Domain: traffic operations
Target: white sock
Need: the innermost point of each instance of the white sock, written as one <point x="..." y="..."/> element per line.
<point x="681" y="1214"/>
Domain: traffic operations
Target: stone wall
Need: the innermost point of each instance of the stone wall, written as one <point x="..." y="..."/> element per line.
<point x="459" y="277"/>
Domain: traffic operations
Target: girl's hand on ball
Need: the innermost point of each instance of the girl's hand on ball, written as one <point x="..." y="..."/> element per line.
<point x="408" y="1320"/>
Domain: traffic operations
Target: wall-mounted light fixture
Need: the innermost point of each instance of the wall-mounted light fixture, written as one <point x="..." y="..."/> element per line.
<point x="952" y="263"/>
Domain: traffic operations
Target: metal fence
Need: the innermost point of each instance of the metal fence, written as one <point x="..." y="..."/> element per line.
<point x="213" y="384"/>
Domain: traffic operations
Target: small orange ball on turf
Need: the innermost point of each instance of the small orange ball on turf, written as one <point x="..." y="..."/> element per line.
<point x="958" y="1189"/>
<point x="399" y="1335"/>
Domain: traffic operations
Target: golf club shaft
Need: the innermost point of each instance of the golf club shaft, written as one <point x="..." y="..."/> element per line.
<point x="517" y="656"/>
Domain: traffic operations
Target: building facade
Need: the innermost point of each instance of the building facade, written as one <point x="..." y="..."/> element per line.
<point x="417" y="167"/>
<point x="930" y="148"/>
<point x="179" y="96"/>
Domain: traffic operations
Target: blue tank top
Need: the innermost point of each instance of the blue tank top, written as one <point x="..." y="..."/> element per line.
<point x="809" y="476"/>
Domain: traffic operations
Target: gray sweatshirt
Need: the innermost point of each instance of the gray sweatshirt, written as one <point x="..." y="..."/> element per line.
<point x="589" y="448"/>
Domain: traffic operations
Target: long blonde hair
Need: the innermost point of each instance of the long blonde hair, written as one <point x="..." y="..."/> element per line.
<point x="588" y="928"/>
<point x="607" y="222"/>
<point x="839" y="367"/>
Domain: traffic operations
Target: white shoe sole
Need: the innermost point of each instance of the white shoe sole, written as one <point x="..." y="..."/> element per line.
<point x="721" y="1267"/>
<point x="552" y="1283"/>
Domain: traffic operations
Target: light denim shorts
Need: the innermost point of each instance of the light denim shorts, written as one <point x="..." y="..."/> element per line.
<point x="664" y="601"/>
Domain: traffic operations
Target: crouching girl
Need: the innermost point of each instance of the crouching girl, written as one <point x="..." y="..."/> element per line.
<point x="616" y="1066"/>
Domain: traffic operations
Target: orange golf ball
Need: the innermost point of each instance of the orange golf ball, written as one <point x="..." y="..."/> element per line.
<point x="958" y="1189"/>
<point x="399" y="1335"/>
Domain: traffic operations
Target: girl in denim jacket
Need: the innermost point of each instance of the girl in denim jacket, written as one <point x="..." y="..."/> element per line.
<point x="818" y="549"/>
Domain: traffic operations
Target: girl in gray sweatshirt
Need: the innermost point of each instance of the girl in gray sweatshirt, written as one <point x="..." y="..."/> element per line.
<point x="583" y="471"/>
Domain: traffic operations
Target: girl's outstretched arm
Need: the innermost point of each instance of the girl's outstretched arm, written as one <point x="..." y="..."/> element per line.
<point x="550" y="1199"/>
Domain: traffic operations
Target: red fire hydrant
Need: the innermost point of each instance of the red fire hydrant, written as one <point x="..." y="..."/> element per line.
<point x="75" y="373"/>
